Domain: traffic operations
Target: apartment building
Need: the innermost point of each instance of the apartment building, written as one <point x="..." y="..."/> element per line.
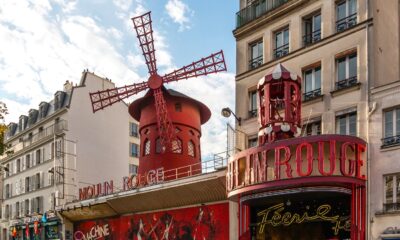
<point x="347" y="53"/>
<point x="55" y="150"/>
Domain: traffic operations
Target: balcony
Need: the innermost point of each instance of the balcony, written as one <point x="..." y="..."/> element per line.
<point x="307" y="96"/>
<point x="346" y="83"/>
<point x="390" y="141"/>
<point x="257" y="9"/>
<point x="255" y="62"/>
<point x="281" y="51"/>
<point x="347" y="22"/>
<point x="311" y="38"/>
<point x="28" y="141"/>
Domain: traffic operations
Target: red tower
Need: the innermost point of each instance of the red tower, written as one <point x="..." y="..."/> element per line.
<point x="279" y="100"/>
<point x="170" y="122"/>
<point x="187" y="116"/>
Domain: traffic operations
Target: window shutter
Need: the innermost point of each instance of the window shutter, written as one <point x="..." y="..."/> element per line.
<point x="11" y="189"/>
<point x="41" y="180"/>
<point x="32" y="207"/>
<point x="22" y="208"/>
<point x="41" y="204"/>
<point x="32" y="160"/>
<point x="42" y="160"/>
<point x="34" y="180"/>
<point x="3" y="210"/>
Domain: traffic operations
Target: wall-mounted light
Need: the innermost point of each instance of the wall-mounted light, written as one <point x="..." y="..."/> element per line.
<point x="226" y="112"/>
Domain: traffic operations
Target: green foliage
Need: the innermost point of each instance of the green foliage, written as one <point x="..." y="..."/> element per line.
<point x="3" y="127"/>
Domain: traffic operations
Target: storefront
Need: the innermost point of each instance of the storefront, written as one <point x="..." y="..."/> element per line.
<point x="301" y="188"/>
<point x="41" y="227"/>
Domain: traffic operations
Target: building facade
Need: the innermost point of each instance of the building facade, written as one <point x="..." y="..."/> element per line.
<point x="57" y="149"/>
<point x="347" y="52"/>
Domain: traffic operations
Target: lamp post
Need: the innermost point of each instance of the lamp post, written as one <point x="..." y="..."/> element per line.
<point x="226" y="112"/>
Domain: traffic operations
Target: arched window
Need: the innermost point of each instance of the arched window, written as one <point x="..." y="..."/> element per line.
<point x="191" y="148"/>
<point x="177" y="130"/>
<point x="177" y="146"/>
<point x="146" y="147"/>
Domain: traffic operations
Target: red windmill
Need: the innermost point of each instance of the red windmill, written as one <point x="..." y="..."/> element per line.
<point x="166" y="131"/>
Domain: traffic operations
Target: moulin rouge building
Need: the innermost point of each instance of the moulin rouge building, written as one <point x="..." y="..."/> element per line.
<point x="286" y="187"/>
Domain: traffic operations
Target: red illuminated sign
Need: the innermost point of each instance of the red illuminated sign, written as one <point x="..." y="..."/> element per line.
<point x="325" y="155"/>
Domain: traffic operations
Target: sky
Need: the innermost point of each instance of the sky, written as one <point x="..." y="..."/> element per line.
<point x="46" y="42"/>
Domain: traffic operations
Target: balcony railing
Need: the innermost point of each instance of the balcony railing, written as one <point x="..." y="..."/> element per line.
<point x="312" y="94"/>
<point x="255" y="62"/>
<point x="27" y="141"/>
<point x="389" y="141"/>
<point x="281" y="51"/>
<point x="311" y="38"/>
<point x="256" y="10"/>
<point x="390" y="207"/>
<point x="347" y="22"/>
<point x="349" y="82"/>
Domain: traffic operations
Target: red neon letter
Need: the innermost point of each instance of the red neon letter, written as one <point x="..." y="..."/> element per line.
<point x="332" y="158"/>
<point x="299" y="159"/>
<point x="285" y="162"/>
<point x="360" y="162"/>
<point x="343" y="159"/>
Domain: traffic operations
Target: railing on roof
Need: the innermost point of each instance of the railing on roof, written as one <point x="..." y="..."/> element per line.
<point x="257" y="9"/>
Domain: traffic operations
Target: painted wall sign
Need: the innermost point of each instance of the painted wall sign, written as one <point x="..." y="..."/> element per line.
<point x="323" y="155"/>
<point x="392" y="230"/>
<point x="203" y="222"/>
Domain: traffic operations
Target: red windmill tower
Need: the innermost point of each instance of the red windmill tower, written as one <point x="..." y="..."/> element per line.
<point x="169" y="121"/>
<point x="279" y="99"/>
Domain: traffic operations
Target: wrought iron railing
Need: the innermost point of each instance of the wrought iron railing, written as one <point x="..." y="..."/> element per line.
<point x="256" y="10"/>
<point x="388" y="141"/>
<point x="281" y="51"/>
<point x="349" y="82"/>
<point x="255" y="62"/>
<point x="347" y="22"/>
<point x="390" y="207"/>
<point x="311" y="38"/>
<point x="312" y="94"/>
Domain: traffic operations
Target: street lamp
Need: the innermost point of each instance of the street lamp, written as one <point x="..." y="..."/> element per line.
<point x="226" y="112"/>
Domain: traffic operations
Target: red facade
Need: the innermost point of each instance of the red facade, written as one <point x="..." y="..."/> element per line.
<point x="202" y="222"/>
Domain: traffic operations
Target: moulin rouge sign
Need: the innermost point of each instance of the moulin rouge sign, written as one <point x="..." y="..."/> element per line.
<point x="322" y="155"/>
<point x="135" y="181"/>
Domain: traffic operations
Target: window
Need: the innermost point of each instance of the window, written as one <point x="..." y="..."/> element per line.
<point x="191" y="148"/>
<point x="41" y="132"/>
<point x="38" y="156"/>
<point x="346" y="14"/>
<point x="27" y="184"/>
<point x="18" y="165"/>
<point x="177" y="146"/>
<point x="7" y="212"/>
<point x="178" y="107"/>
<point x="253" y="104"/>
<point x="346" y="124"/>
<point x="51" y="176"/>
<point x="38" y="181"/>
<point x="312" y="83"/>
<point x="146" y="147"/>
<point x="133" y="129"/>
<point x="133" y="169"/>
<point x="252" y="142"/>
<point x="313" y="127"/>
<point x="26" y="208"/>
<point x="158" y="146"/>
<point x="392" y="192"/>
<point x="312" y="29"/>
<point x="8" y="195"/>
<point x="39" y="204"/>
<point x="16" y="210"/>
<point x="391" y="127"/>
<point x="346" y="71"/>
<point x="27" y="161"/>
<point x="134" y="149"/>
<point x="8" y="172"/>
<point x="281" y="43"/>
<point x="256" y="54"/>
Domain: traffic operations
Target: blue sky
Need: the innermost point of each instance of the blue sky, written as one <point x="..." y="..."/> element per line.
<point x="46" y="42"/>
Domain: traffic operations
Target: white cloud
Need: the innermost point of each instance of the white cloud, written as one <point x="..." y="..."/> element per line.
<point x="178" y="11"/>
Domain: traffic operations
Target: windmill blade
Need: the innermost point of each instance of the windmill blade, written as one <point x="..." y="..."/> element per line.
<point x="108" y="97"/>
<point x="164" y="123"/>
<point x="211" y="64"/>
<point x="144" y="32"/>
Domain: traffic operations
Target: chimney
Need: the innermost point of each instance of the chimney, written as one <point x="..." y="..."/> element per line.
<point x="67" y="86"/>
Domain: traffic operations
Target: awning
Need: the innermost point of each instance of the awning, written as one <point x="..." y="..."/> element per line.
<point x="204" y="188"/>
